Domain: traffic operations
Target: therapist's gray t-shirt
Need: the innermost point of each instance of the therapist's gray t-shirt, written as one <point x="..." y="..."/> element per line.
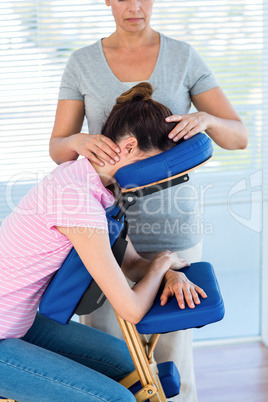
<point x="168" y="219"/>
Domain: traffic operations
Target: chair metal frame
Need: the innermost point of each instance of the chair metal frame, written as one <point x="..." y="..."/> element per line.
<point x="141" y="347"/>
<point x="142" y="353"/>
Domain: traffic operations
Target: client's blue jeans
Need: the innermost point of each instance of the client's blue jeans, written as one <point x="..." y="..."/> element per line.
<point x="60" y="363"/>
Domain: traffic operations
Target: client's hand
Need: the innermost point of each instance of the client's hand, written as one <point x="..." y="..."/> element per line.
<point x="176" y="283"/>
<point x="175" y="262"/>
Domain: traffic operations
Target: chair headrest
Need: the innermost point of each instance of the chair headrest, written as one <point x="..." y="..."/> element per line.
<point x="181" y="158"/>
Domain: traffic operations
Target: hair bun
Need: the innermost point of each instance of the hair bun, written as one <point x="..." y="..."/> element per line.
<point x="140" y="92"/>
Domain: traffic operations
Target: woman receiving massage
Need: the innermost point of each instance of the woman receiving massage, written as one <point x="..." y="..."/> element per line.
<point x="41" y="360"/>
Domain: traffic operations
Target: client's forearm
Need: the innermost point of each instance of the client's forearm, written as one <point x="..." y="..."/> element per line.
<point x="136" y="269"/>
<point x="134" y="266"/>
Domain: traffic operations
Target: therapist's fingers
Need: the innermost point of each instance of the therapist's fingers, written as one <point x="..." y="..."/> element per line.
<point x="185" y="129"/>
<point x="100" y="149"/>
<point x="100" y="153"/>
<point x="91" y="156"/>
<point x="174" y="119"/>
<point x="115" y="149"/>
<point x="188" y="125"/>
<point x="105" y="148"/>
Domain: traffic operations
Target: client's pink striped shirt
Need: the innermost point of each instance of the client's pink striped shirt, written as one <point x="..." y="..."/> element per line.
<point x="32" y="249"/>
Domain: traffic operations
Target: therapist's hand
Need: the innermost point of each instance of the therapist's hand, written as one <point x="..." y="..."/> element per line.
<point x="188" y="125"/>
<point x="97" y="148"/>
<point x="176" y="283"/>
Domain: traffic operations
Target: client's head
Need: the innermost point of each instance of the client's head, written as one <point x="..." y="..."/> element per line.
<point x="137" y="124"/>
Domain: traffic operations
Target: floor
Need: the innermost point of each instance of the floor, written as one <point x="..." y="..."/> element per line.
<point x="237" y="373"/>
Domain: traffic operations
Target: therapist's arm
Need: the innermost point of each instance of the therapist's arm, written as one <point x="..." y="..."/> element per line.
<point x="216" y="116"/>
<point x="67" y="142"/>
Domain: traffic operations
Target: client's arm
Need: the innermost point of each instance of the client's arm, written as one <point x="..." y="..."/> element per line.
<point x="94" y="249"/>
<point x="176" y="283"/>
<point x="134" y="266"/>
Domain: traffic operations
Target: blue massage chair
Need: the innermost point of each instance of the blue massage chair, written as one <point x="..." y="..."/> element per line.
<point x="72" y="290"/>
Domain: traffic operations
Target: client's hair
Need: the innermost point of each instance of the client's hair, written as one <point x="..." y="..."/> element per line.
<point x="137" y="114"/>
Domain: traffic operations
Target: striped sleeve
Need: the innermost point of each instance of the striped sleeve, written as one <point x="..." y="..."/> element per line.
<point x="73" y="207"/>
<point x="75" y="198"/>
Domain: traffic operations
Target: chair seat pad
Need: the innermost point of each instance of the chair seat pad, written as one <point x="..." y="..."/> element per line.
<point x="168" y="318"/>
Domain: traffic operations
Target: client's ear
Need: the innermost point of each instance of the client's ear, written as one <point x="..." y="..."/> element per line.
<point x="130" y="145"/>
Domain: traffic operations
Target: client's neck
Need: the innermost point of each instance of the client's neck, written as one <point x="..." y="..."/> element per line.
<point x="106" y="172"/>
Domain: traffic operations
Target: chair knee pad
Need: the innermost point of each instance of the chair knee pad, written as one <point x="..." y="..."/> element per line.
<point x="169" y="377"/>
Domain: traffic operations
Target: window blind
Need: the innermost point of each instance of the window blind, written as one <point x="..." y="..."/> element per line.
<point x="37" y="37"/>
